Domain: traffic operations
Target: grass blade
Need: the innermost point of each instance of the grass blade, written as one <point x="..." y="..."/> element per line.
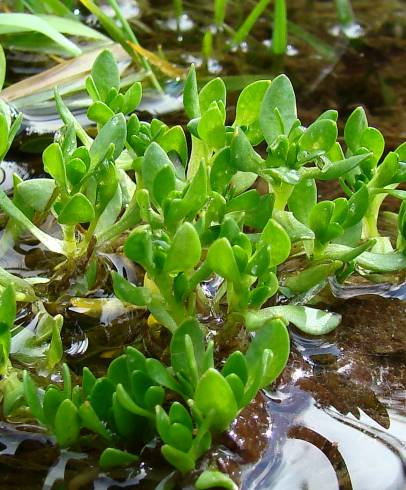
<point x="28" y="22"/>
<point x="249" y="22"/>
<point x="279" y="35"/>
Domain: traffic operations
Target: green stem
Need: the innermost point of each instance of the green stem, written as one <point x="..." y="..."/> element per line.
<point x="176" y="309"/>
<point x="220" y="12"/>
<point x="130" y="218"/>
<point x="282" y="194"/>
<point x="121" y="35"/>
<point x="69" y="239"/>
<point x="245" y="29"/>
<point x="279" y="35"/>
<point x="202" y="273"/>
<point x="133" y="38"/>
<point x="345" y="13"/>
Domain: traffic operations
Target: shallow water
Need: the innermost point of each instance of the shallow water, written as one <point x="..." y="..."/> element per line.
<point x="339" y="413"/>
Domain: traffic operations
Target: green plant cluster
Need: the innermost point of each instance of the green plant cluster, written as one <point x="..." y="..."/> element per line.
<point x="235" y="208"/>
<point x="128" y="404"/>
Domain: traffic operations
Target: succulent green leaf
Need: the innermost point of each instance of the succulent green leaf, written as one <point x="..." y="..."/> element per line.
<point x="132" y="98"/>
<point x="36" y="192"/>
<point x="243" y="157"/>
<point x="214" y="395"/>
<point x="319" y="136"/>
<point x="128" y="403"/>
<point x="190" y="94"/>
<point x="75" y="170"/>
<point x="336" y="169"/>
<point x="67" y="424"/>
<point x="237" y="387"/>
<point x="113" y="132"/>
<point x="88" y="381"/>
<point x="311" y="276"/>
<point x="372" y="140"/>
<point x="99" y="112"/>
<point x="302" y="199"/>
<point x="117" y="372"/>
<point x="174" y="139"/>
<point x="54" y="164"/>
<point x="211" y="128"/>
<point x="180" y="460"/>
<point x="155" y="161"/>
<point x="295" y="229"/>
<point x="278" y="110"/>
<point x="179" y="359"/>
<point x="180" y="437"/>
<point x="236" y="363"/>
<point x="32" y="399"/>
<point x="354" y="128"/>
<point x="112" y="458"/>
<point x="274" y="235"/>
<point x="309" y="320"/>
<point x="273" y="336"/>
<point x="382" y="262"/>
<point x="213" y="91"/>
<point x="221" y="260"/>
<point x="185" y="250"/>
<point x="357" y="206"/>
<point x="214" y="479"/>
<point x="248" y="109"/>
<point x="155" y="395"/>
<point x="52" y="400"/>
<point x="320" y="218"/>
<point x="77" y="210"/>
<point x="105" y="74"/>
<point x="125" y="291"/>
<point x="331" y="114"/>
<point x="55" y="349"/>
<point x="101" y="397"/>
<point x="138" y="247"/>
<point x="179" y="414"/>
<point x="159" y="373"/>
<point x="91" y="421"/>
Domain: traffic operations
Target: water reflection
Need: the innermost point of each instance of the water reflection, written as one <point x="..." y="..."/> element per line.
<point x="339" y="414"/>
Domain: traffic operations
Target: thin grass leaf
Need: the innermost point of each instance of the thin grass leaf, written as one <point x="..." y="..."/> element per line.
<point x="73" y="27"/>
<point x="249" y="22"/>
<point x="26" y="22"/>
<point x="55" y="7"/>
<point x="279" y="35"/>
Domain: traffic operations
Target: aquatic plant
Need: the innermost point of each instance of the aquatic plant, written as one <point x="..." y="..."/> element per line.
<point x="128" y="404"/>
<point x="235" y="209"/>
<point x="279" y="32"/>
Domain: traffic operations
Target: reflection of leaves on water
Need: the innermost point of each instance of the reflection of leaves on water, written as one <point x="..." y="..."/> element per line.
<point x="333" y="389"/>
<point x="326" y="447"/>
